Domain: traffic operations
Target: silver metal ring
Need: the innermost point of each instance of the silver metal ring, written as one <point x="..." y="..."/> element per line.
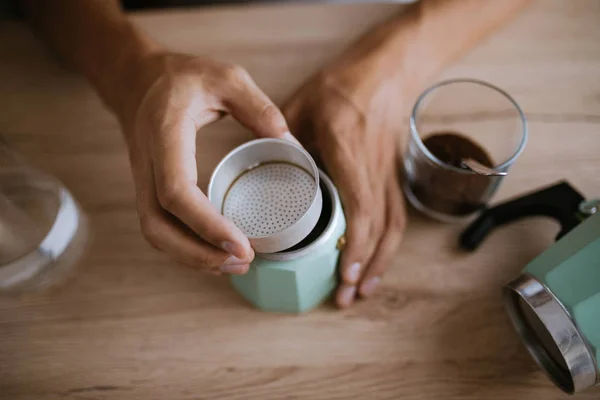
<point x="334" y="221"/>
<point x="577" y="370"/>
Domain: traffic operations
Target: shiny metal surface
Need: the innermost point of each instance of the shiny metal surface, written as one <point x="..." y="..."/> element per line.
<point x="590" y="207"/>
<point x="335" y="219"/>
<point x="269" y="198"/>
<point x="550" y="335"/>
<point x="270" y="189"/>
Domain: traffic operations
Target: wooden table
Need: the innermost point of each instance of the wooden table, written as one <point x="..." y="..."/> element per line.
<point x="132" y="325"/>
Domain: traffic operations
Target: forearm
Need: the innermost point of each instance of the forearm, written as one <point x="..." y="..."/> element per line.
<point x="415" y="45"/>
<point x="96" y="38"/>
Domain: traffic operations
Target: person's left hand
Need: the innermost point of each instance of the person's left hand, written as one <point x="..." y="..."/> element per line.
<point x="351" y="121"/>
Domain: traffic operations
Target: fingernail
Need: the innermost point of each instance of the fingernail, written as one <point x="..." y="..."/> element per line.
<point x="291" y="138"/>
<point x="369" y="286"/>
<point x="353" y="273"/>
<point x="234" y="249"/>
<point x="346" y="296"/>
<point x="236" y="269"/>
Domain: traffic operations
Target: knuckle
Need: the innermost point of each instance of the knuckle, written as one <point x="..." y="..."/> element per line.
<point x="395" y="233"/>
<point x="235" y="72"/>
<point x="398" y="224"/>
<point x="150" y="231"/>
<point x="358" y="235"/>
<point x="361" y="214"/>
<point x="168" y="194"/>
<point x="203" y="260"/>
<point x="271" y="116"/>
<point x="270" y="112"/>
<point x="379" y="225"/>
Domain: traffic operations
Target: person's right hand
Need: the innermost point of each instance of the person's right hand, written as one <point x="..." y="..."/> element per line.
<point x="184" y="94"/>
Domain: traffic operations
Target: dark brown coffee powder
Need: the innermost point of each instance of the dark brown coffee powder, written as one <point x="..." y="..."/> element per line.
<point x="447" y="191"/>
<point x="452" y="148"/>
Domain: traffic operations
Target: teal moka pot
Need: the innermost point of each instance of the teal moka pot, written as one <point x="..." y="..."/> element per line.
<point x="291" y="213"/>
<point x="555" y="303"/>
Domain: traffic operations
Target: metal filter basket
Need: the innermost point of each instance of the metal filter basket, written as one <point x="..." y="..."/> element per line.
<point x="269" y="188"/>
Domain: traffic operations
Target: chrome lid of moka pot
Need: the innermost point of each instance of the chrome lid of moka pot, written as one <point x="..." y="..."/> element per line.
<point x="550" y="335"/>
<point x="269" y="188"/>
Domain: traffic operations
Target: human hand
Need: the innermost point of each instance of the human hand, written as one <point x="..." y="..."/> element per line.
<point x="180" y="95"/>
<point x="351" y="124"/>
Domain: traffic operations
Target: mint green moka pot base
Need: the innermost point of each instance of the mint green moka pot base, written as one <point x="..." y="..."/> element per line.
<point x="297" y="281"/>
<point x="567" y="277"/>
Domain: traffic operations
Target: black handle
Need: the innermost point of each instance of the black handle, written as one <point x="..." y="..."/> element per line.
<point x="560" y="201"/>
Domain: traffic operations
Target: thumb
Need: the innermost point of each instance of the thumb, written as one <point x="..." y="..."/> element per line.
<point x="252" y="108"/>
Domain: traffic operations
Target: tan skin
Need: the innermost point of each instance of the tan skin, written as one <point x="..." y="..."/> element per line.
<point x="361" y="138"/>
<point x="351" y="111"/>
<point x="175" y="215"/>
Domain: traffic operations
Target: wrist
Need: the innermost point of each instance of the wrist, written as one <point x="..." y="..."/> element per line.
<point x="360" y="76"/>
<point x="124" y="80"/>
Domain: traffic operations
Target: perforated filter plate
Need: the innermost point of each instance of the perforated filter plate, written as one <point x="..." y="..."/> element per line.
<point x="269" y="188"/>
<point x="269" y="198"/>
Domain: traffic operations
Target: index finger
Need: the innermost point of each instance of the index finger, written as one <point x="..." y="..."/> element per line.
<point x="175" y="171"/>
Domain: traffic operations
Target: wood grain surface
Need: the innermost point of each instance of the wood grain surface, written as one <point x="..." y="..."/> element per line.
<point x="133" y="325"/>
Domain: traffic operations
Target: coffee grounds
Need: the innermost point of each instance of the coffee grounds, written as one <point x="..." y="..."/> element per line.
<point x="446" y="191"/>
<point x="452" y="148"/>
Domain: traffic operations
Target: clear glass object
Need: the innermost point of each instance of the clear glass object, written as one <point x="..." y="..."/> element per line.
<point x="491" y="128"/>
<point x="43" y="231"/>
